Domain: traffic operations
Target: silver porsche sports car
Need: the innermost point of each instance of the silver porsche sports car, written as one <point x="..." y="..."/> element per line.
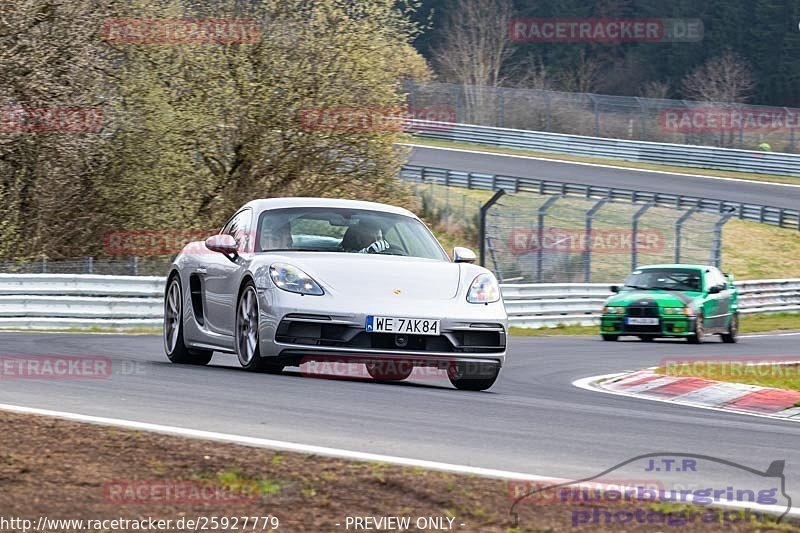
<point x="293" y="280"/>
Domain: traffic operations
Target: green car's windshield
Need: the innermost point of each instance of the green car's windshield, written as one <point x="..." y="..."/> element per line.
<point x="326" y="229"/>
<point x="668" y="279"/>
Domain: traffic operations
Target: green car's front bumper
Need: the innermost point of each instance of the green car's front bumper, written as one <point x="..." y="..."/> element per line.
<point x="668" y="326"/>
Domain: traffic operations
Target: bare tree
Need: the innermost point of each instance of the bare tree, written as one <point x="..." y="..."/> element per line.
<point x="655" y="89"/>
<point x="725" y="78"/>
<point x="474" y="49"/>
<point x="583" y="76"/>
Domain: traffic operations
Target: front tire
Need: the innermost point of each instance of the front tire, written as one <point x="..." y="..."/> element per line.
<point x="246" y="329"/>
<point x="732" y="336"/>
<point x="699" y="331"/>
<point x="473" y="376"/>
<point x="174" y="346"/>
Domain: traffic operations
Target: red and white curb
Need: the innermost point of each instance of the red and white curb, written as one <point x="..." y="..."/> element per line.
<point x="699" y="392"/>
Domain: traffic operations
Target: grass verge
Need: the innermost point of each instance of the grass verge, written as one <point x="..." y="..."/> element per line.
<point x="604" y="161"/>
<point x="61" y="469"/>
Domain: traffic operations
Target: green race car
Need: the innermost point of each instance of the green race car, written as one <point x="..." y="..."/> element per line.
<point x="688" y="301"/>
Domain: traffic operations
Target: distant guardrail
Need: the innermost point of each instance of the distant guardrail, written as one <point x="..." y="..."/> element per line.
<point x="551" y="305"/>
<point x="682" y="155"/>
<point x="49" y="301"/>
<point x="776" y="216"/>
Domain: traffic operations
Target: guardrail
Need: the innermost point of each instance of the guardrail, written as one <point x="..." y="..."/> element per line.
<point x="776" y="216"/>
<point x="638" y="151"/>
<point x="551" y="305"/>
<point x="81" y="301"/>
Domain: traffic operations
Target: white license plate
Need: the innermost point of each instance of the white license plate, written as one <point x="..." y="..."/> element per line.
<point x="633" y="321"/>
<point x="409" y="326"/>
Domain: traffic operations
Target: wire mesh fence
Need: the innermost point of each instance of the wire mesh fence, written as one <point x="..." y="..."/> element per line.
<point x="726" y="125"/>
<point x="554" y="239"/>
<point x="133" y="266"/>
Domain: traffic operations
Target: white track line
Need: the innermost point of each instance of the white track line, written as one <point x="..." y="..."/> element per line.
<point x="589" y="384"/>
<point x="346" y="454"/>
<point x="599" y="165"/>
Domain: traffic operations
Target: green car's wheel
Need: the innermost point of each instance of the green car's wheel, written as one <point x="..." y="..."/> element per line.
<point x="610" y="338"/>
<point x="699" y="331"/>
<point x="733" y="330"/>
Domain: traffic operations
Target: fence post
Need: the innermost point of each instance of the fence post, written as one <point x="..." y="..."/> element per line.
<point x="44" y="265"/>
<point x="482" y="229"/>
<point x="540" y="214"/>
<point x="635" y="230"/>
<point x="717" y="245"/>
<point x="134" y="265"/>
<point x="90" y="265"/>
<point x="587" y="258"/>
<point x="678" y="226"/>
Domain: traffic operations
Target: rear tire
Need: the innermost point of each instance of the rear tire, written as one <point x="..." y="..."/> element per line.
<point x="699" y="332"/>
<point x="246" y="331"/>
<point x="732" y="336"/>
<point x="174" y="346"/>
<point x="610" y="338"/>
<point x="473" y="376"/>
<point x="390" y="370"/>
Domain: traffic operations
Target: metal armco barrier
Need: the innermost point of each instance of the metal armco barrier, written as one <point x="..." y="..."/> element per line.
<point x="551" y="305"/>
<point x="775" y="216"/>
<point x="708" y="157"/>
<point x="56" y="301"/>
<point x="81" y="301"/>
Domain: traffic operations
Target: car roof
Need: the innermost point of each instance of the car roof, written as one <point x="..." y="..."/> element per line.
<point x="289" y="202"/>
<point x="676" y="265"/>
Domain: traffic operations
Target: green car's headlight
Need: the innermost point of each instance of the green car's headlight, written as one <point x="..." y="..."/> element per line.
<point x="614" y="310"/>
<point x="292" y="279"/>
<point x="676" y="311"/>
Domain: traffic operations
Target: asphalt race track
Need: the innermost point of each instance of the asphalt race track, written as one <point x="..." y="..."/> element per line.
<point x="532" y="421"/>
<point x="759" y="193"/>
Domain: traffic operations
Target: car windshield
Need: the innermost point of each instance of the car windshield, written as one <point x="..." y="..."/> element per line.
<point x="326" y="229"/>
<point x="670" y="279"/>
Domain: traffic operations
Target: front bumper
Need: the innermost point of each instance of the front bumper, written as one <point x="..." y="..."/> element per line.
<point x="669" y="326"/>
<point x="296" y="327"/>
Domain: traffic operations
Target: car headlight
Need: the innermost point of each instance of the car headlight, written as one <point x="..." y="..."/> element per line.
<point x="292" y="279"/>
<point x="676" y="311"/>
<point x="614" y="310"/>
<point x="484" y="290"/>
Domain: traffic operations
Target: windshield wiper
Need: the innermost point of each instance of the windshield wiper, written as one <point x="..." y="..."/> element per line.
<point x="639" y="287"/>
<point x="299" y="250"/>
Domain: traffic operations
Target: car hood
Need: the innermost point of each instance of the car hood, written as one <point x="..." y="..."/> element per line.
<point x="376" y="276"/>
<point x="662" y="298"/>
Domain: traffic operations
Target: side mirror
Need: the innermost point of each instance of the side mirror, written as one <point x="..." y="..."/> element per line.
<point x="464" y="255"/>
<point x="224" y="244"/>
<point x="716" y="289"/>
<point x="615" y="288"/>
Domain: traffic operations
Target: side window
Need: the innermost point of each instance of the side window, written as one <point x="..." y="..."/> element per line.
<point x="239" y="227"/>
<point x="715" y="278"/>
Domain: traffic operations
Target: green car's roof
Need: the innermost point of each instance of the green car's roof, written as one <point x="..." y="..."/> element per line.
<point x="675" y="265"/>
